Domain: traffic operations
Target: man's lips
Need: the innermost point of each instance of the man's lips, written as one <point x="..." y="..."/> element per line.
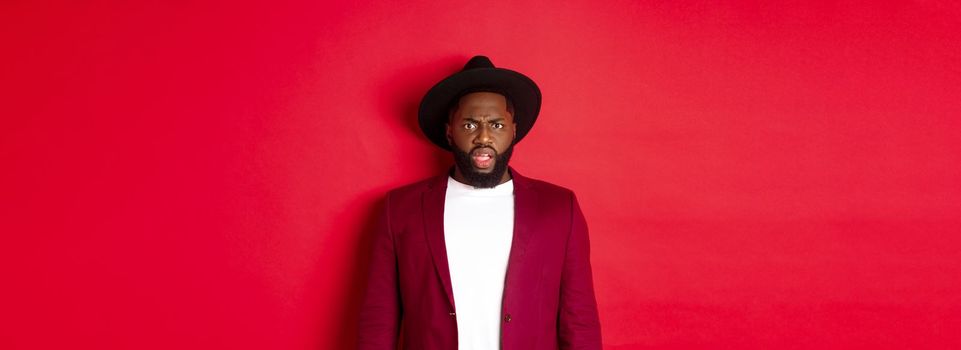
<point x="483" y="158"/>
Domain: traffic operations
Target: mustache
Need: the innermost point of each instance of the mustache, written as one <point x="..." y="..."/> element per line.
<point x="472" y="150"/>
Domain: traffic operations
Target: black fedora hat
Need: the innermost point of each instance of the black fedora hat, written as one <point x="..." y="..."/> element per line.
<point x="479" y="74"/>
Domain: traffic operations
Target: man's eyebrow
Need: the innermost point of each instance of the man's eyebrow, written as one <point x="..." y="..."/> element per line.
<point x="491" y="120"/>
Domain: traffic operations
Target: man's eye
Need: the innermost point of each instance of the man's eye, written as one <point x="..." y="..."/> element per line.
<point x="469" y="126"/>
<point x="498" y="126"/>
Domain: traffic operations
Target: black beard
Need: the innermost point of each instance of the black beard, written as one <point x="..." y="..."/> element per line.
<point x="481" y="180"/>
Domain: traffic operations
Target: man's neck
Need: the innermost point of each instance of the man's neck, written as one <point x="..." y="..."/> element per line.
<point x="459" y="177"/>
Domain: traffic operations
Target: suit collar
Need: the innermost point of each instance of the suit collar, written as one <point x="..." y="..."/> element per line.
<point x="439" y="182"/>
<point x="433" y="201"/>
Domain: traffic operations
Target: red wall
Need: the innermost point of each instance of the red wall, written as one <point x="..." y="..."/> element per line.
<point x="179" y="176"/>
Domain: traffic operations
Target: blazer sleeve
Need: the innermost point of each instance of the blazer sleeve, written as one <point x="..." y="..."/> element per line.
<point x="380" y="312"/>
<point x="578" y="323"/>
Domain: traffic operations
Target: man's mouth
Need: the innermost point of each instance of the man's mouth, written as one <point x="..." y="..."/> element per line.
<point x="483" y="158"/>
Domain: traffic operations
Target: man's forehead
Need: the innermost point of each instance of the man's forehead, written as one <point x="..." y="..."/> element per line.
<point x="487" y="112"/>
<point x="487" y="118"/>
<point x="482" y="106"/>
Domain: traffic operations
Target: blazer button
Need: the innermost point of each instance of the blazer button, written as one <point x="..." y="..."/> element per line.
<point x="507" y="318"/>
<point x="453" y="314"/>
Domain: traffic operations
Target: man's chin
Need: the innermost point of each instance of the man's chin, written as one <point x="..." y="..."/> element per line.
<point x="487" y="177"/>
<point x="484" y="171"/>
<point x="483" y="180"/>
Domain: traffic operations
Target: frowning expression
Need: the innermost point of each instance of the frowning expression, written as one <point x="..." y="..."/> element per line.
<point x="482" y="125"/>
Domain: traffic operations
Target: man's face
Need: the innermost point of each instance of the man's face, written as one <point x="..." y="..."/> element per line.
<point x="481" y="132"/>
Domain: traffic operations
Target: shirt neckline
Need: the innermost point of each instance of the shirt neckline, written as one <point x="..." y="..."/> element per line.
<point x="455" y="186"/>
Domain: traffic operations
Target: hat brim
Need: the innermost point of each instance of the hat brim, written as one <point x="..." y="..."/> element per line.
<point x="522" y="91"/>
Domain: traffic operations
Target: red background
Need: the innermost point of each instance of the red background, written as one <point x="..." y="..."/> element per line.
<point x="181" y="175"/>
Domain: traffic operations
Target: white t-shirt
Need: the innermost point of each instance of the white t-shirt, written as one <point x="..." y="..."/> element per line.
<point x="478" y="229"/>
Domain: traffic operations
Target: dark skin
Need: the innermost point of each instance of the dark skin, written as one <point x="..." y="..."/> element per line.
<point x="481" y="121"/>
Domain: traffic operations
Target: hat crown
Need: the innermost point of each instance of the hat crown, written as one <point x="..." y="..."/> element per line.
<point x="477" y="62"/>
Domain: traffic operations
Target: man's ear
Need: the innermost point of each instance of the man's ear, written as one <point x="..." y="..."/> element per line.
<point x="450" y="139"/>
<point x="514" y="137"/>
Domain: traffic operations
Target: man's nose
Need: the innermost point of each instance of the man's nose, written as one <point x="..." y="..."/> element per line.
<point x="483" y="136"/>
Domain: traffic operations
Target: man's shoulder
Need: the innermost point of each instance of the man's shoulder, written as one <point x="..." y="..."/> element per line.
<point x="546" y="190"/>
<point x="541" y="185"/>
<point x="417" y="187"/>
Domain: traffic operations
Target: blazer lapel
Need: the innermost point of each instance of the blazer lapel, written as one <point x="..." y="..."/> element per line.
<point x="433" y="204"/>
<point x="525" y="205"/>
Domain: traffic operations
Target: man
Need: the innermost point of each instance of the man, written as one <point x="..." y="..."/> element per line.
<point x="481" y="258"/>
